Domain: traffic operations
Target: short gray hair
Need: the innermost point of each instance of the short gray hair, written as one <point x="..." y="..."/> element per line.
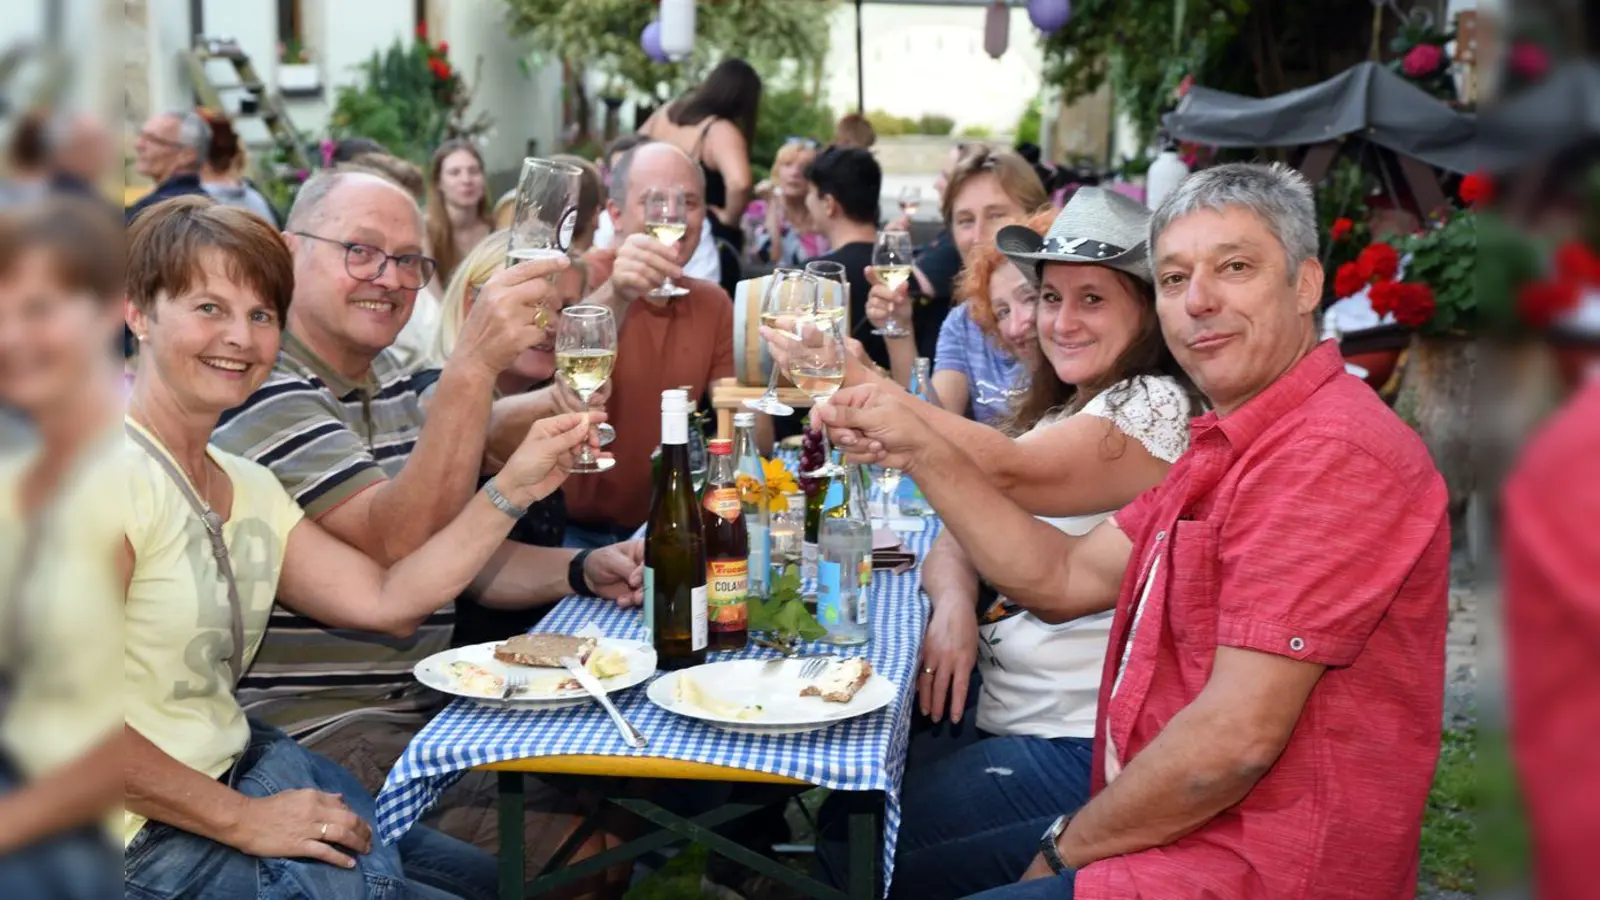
<point x="194" y="133"/>
<point x="1280" y="196"/>
<point x="308" y="201"/>
<point x="617" y="190"/>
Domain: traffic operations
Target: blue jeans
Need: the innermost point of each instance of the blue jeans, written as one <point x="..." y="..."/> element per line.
<point x="163" y="862"/>
<point x="80" y="864"/>
<point x="580" y="537"/>
<point x="972" y="820"/>
<point x="1058" y="887"/>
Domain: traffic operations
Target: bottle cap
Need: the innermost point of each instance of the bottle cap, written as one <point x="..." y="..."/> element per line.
<point x="720" y="447"/>
<point x="744" y="419"/>
<point x="674" y="402"/>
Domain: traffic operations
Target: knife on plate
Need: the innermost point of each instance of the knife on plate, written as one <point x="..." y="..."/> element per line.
<point x="592" y="685"/>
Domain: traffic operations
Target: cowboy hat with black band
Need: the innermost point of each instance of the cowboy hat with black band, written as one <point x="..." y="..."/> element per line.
<point x="1097" y="227"/>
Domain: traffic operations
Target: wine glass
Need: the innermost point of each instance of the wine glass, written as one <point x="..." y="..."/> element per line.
<point x="831" y="300"/>
<point x="666" y="218"/>
<point x="891" y="259"/>
<point x="791" y="295"/>
<point x="910" y="200"/>
<point x="816" y="366"/>
<point x="546" y="213"/>
<point x="586" y="351"/>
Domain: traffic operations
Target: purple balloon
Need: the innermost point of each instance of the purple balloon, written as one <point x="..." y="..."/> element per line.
<point x="1049" y="15"/>
<point x="650" y="40"/>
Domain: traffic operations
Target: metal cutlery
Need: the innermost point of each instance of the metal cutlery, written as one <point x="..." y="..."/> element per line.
<point x="630" y="734"/>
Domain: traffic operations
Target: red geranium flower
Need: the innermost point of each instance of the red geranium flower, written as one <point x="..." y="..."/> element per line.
<point x="1542" y="302"/>
<point x="1416" y="305"/>
<point x="1379" y="262"/>
<point x="1575" y="262"/>
<point x="1528" y="60"/>
<point x="1340" y="230"/>
<point x="422" y="31"/>
<point x="1348" y="281"/>
<point x="1476" y="189"/>
<point x="444" y="48"/>
<point x="1422" y="60"/>
<point x="1385" y="297"/>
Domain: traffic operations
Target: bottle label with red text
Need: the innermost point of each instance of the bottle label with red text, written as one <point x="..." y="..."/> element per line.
<point x="724" y="502"/>
<point x="727" y="594"/>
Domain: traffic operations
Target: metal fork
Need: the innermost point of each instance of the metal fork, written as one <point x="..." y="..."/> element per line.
<point x="815" y="666"/>
<point x="515" y="682"/>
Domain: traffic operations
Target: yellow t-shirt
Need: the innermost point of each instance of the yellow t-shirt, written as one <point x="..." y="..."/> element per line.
<point x="66" y="612"/>
<point x="178" y="630"/>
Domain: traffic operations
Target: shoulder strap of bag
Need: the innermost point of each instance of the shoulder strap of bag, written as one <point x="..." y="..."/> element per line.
<point x="219" y="547"/>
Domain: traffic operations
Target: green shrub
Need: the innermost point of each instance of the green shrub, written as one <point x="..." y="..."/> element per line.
<point x="935" y="124"/>
<point x="410" y="100"/>
<point x="1030" y="125"/>
<point x="787" y="112"/>
<point x="889" y="124"/>
<point x="977" y="132"/>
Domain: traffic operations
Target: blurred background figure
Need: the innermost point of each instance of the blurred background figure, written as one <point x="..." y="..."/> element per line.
<point x="854" y="130"/>
<point x="457" y="207"/>
<point x="83" y="156"/>
<point x="222" y="171"/>
<point x="782" y="231"/>
<point x="169" y="151"/>
<point x="27" y="160"/>
<point x="60" y="606"/>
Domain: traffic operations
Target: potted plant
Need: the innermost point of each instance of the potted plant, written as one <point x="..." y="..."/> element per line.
<point x="296" y="72"/>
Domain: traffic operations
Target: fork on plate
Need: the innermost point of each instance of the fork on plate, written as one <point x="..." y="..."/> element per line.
<point x="815" y="666"/>
<point x="516" y="682"/>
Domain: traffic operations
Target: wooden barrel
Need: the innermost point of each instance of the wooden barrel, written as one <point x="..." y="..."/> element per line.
<point x="752" y="361"/>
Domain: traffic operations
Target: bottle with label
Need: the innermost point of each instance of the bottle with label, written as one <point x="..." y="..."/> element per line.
<point x="727" y="553"/>
<point x="752" y="480"/>
<point x="844" y="563"/>
<point x="675" y="548"/>
<point x="910" y="498"/>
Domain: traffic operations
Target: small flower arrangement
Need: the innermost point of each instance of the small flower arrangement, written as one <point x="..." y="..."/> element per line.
<point x="292" y="53"/>
<point x="1419" y="55"/>
<point x="778" y="484"/>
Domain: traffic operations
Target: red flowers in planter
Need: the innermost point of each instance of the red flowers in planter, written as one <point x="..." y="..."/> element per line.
<point x="1576" y="267"/>
<point x="1340" y="230"/>
<point x="1348" y="280"/>
<point x="1411" y="304"/>
<point x="1379" y="262"/>
<point x="439" y="68"/>
<point x="1476" y="189"/>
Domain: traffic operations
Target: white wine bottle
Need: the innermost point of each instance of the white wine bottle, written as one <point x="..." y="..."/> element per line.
<point x="752" y="480"/>
<point x="844" y="565"/>
<point x="675" y="548"/>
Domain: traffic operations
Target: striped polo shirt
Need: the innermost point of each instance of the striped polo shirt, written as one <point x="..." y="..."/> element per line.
<point x="328" y="438"/>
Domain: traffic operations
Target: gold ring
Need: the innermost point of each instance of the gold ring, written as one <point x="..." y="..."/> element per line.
<point x="324" y="835"/>
<point x="927" y="671"/>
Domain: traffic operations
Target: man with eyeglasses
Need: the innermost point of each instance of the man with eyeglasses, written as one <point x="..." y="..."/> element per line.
<point x="168" y="151"/>
<point x="383" y="458"/>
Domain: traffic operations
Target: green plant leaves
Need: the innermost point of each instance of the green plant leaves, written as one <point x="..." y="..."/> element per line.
<point x="783" y="614"/>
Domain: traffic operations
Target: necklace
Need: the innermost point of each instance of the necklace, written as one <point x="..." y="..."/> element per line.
<point x="205" y="498"/>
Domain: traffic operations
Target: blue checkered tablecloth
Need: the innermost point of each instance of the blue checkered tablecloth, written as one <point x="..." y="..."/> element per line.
<point x="863" y="754"/>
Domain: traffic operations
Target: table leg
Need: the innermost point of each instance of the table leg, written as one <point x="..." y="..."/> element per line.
<point x="864" y="830"/>
<point x="512" y="865"/>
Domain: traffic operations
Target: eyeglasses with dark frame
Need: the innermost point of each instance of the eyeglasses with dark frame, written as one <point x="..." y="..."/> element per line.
<point x="364" y="262"/>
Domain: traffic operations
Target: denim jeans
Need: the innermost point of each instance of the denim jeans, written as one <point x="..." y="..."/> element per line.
<point x="972" y="820"/>
<point x="80" y="864"/>
<point x="163" y="862"/>
<point x="580" y="537"/>
<point x="1058" y="887"/>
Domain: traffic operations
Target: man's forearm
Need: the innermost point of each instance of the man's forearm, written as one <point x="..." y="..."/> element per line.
<point x="164" y="790"/>
<point x="509" y="421"/>
<point x="520" y="576"/>
<point x="1192" y="771"/>
<point x="606" y="295"/>
<point x="902" y="359"/>
<point x="441" y="473"/>
<point x="80" y="792"/>
<point x="948" y="576"/>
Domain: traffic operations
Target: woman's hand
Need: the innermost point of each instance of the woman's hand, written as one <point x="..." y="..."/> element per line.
<point x="545" y="456"/>
<point x="858" y="367"/>
<point x="885" y="303"/>
<point x="617" y="573"/>
<point x="301" y="824"/>
<point x="949" y="651"/>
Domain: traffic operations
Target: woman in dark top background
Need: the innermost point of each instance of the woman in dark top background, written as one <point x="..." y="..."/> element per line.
<point x="715" y="124"/>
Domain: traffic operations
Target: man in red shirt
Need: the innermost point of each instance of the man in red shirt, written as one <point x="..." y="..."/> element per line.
<point x="1271" y="698"/>
<point x="1552" y="602"/>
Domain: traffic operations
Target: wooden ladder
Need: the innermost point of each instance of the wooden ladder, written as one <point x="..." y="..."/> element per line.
<point x="261" y="103"/>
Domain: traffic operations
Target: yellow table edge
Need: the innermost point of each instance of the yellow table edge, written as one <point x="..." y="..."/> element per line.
<point x="635" y="767"/>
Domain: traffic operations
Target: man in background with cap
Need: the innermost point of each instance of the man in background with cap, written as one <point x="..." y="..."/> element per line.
<point x="1271" y="699"/>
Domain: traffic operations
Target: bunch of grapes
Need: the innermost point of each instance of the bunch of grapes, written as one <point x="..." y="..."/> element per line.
<point x="811" y="460"/>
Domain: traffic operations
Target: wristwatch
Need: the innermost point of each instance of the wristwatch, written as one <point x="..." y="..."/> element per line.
<point x="502" y="502"/>
<point x="1047" y="845"/>
<point x="575" y="579"/>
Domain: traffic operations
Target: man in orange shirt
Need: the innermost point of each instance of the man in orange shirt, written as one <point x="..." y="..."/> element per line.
<point x="662" y="342"/>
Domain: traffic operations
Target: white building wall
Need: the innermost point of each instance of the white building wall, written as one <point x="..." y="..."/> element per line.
<point x="522" y="106"/>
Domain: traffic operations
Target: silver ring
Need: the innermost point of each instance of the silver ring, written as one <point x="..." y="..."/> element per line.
<point x="324" y="835"/>
<point x="927" y="671"/>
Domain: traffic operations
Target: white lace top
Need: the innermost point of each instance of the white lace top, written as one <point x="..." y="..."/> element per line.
<point x="1043" y="680"/>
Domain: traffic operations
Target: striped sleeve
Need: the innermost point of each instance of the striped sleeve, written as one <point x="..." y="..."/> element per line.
<point x="293" y="427"/>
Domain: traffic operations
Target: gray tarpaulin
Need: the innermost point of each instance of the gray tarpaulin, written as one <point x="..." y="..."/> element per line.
<point x="1366" y="99"/>
<point x="1557" y="114"/>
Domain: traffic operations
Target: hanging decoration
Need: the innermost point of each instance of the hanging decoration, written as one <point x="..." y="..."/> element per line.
<point x="677" y="28"/>
<point x="650" y="40"/>
<point x="996" y="29"/>
<point x="1049" y="16"/>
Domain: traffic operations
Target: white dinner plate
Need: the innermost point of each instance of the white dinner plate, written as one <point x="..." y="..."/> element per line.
<point x="772" y="685"/>
<point x="541" y="692"/>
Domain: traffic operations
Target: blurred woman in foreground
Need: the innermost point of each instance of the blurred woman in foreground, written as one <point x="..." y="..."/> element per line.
<point x="60" y="609"/>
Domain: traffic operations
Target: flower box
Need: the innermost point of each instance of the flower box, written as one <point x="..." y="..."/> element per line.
<point x="299" y="78"/>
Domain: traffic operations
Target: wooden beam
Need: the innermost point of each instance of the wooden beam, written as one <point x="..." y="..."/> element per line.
<point x="1424" y="185"/>
<point x="1318" y="160"/>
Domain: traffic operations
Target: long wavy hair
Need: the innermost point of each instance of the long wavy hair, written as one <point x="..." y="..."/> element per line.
<point x="475" y="269"/>
<point x="731" y="91"/>
<point x="441" y="234"/>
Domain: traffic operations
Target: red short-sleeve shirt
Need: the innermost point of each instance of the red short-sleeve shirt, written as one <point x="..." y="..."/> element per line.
<point x="1310" y="523"/>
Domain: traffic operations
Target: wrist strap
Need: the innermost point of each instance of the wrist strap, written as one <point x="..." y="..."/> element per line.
<point x="575" y="579"/>
<point x="502" y="502"/>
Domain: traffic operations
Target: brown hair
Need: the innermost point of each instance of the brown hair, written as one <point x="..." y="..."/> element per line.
<point x="973" y="286"/>
<point x="402" y="172"/>
<point x="853" y="130"/>
<point x="591" y="193"/>
<point x="1148" y="354"/>
<point x="82" y="238"/>
<point x="29" y="147"/>
<point x="225" y="153"/>
<point x="441" y="234"/>
<point x="1017" y="178"/>
<point x="167" y="244"/>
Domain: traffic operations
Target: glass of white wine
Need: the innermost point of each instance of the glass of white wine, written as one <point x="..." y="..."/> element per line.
<point x="791" y="295"/>
<point x="833" y="290"/>
<point x="666" y="218"/>
<point x="891" y="259"/>
<point x="816" y="366"/>
<point x="586" y="351"/>
<point x="546" y="212"/>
